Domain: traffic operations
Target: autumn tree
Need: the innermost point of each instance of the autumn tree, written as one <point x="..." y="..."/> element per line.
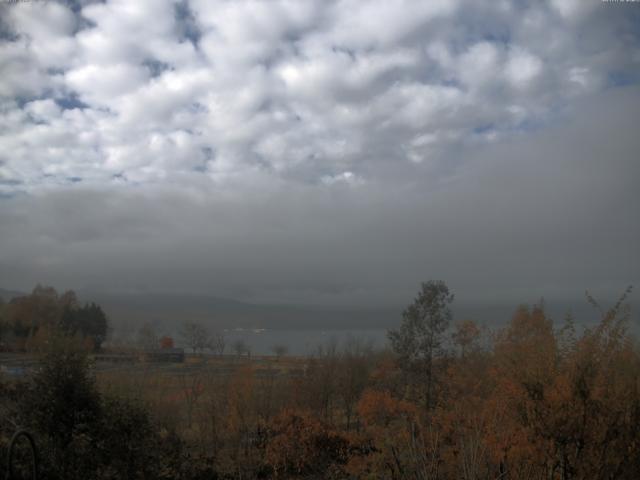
<point x="26" y="314"/>
<point x="523" y="371"/>
<point x="33" y="318"/>
<point x="241" y="418"/>
<point x="166" y="342"/>
<point x="591" y="413"/>
<point x="320" y="381"/>
<point x="419" y="339"/>
<point x="44" y="305"/>
<point x="354" y="367"/>
<point x="192" y="385"/>
<point x="300" y="445"/>
<point x="212" y="417"/>
<point x="394" y="445"/>
<point x="465" y="335"/>
<point x="89" y="321"/>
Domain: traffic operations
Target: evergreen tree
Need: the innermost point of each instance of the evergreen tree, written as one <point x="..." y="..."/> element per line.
<point x="419" y="338"/>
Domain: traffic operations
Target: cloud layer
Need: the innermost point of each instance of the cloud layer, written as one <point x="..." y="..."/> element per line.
<point x="318" y="150"/>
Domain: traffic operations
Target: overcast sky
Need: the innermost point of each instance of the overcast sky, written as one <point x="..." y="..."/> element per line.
<point x="321" y="151"/>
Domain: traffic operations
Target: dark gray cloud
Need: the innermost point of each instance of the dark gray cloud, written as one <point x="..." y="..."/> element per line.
<point x="320" y="151"/>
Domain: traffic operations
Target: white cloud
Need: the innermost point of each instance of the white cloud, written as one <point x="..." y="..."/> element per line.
<point x="573" y="9"/>
<point x="294" y="89"/>
<point x="383" y="23"/>
<point x="342" y="178"/>
<point x="522" y="68"/>
<point x="101" y="85"/>
<point x="43" y="110"/>
<point x="480" y="65"/>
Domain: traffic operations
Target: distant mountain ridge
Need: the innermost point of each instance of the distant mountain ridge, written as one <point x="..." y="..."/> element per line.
<point x="7" y="295"/>
<point x="131" y="310"/>
<point x="220" y="313"/>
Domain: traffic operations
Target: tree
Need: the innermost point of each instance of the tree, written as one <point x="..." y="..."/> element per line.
<point x="69" y="299"/>
<point x="83" y="434"/>
<point x="94" y="323"/>
<point x="195" y="336"/>
<point x="419" y="338"/>
<point x="89" y="321"/>
<point x="321" y="381"/>
<point x="218" y="343"/>
<point x="26" y="314"/>
<point x="166" y="342"/>
<point x="63" y="405"/>
<point x="353" y="374"/>
<point x="465" y="336"/>
<point x="192" y="385"/>
<point x="147" y="337"/>
<point x="299" y="445"/>
<point x="240" y="347"/>
<point x="128" y="442"/>
<point x="3" y="326"/>
<point x="44" y="312"/>
<point x="279" y="351"/>
<point x="394" y="447"/>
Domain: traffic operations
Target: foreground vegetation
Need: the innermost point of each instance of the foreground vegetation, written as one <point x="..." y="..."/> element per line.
<point x="531" y="401"/>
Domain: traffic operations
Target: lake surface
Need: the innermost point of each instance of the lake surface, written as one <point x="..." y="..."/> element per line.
<point x="301" y="342"/>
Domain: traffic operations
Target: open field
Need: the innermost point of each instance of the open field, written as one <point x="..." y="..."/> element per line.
<point x="225" y="365"/>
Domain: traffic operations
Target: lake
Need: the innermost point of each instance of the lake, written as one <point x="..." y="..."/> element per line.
<point x="300" y="342"/>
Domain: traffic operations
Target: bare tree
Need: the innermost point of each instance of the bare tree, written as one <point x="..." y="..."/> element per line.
<point x="218" y="343"/>
<point x="241" y="347"/>
<point x="195" y="335"/>
<point x="321" y="379"/>
<point x="279" y="351"/>
<point x="352" y="374"/>
<point x="192" y="385"/>
<point x="147" y="337"/>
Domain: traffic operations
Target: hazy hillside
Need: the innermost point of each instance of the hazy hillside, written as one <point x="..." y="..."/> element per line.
<point x="7" y="295"/>
<point x="218" y="312"/>
<point x="129" y="311"/>
<point x="228" y="313"/>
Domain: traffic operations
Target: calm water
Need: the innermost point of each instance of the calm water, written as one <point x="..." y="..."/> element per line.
<point x="301" y="342"/>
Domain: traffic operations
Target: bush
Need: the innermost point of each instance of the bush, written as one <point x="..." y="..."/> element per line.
<point x="299" y="444"/>
<point x="84" y="435"/>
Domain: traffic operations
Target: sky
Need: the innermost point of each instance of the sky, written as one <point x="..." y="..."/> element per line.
<point x="321" y="151"/>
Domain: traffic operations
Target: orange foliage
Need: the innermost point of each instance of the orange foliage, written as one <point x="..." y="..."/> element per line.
<point x="392" y="443"/>
<point x="240" y="397"/>
<point x="539" y="403"/>
<point x="379" y="409"/>
<point x="300" y="443"/>
<point x="465" y="335"/>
